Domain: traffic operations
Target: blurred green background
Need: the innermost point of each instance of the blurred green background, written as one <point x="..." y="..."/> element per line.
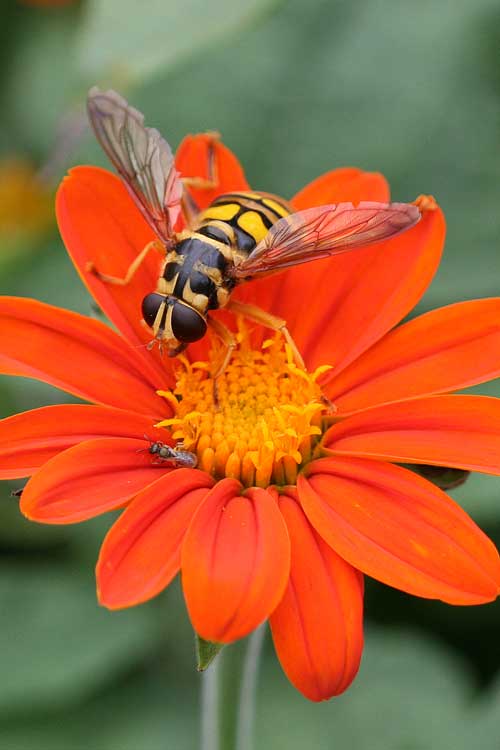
<point x="296" y="88"/>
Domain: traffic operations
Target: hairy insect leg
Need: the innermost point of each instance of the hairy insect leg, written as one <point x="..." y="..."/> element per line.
<point x="132" y="269"/>
<point x="190" y="208"/>
<point x="229" y="341"/>
<point x="270" y="321"/>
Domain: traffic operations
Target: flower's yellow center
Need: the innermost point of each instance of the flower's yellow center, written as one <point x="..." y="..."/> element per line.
<point x="257" y="422"/>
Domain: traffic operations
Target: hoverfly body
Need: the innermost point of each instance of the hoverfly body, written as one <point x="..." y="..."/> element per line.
<point x="178" y="457"/>
<point x="241" y="236"/>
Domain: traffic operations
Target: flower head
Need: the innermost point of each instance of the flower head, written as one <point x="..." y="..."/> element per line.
<point x="297" y="492"/>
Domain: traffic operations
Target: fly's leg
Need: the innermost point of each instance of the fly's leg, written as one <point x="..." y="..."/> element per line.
<point x="132" y="269"/>
<point x="270" y="321"/>
<point x="210" y="182"/>
<point x="229" y="340"/>
<point x="190" y="208"/>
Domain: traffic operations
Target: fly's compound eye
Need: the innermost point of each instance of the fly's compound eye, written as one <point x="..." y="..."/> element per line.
<point x="150" y="306"/>
<point x="187" y="324"/>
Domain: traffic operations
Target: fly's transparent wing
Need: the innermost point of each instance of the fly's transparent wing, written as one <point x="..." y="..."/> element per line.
<point x="327" y="230"/>
<point x="142" y="158"/>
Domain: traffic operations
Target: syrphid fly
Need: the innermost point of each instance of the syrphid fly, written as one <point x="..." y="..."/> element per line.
<point x="239" y="237"/>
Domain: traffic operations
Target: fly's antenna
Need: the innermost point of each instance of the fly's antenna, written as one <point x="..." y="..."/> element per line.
<point x="143" y="450"/>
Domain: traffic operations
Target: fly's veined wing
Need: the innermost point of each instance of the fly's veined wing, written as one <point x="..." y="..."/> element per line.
<point x="327" y="230"/>
<point x="143" y="159"/>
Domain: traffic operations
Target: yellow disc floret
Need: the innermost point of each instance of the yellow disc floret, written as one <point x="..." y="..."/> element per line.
<point x="257" y="422"/>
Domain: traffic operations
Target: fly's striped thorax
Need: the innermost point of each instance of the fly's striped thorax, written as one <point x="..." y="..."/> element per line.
<point x="242" y="220"/>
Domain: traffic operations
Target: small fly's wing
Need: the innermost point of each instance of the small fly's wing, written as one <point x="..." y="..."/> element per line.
<point x="142" y="158"/>
<point x="323" y="231"/>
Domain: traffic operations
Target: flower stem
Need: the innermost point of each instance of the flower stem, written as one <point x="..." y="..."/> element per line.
<point x="248" y="691"/>
<point x="210" y="725"/>
<point x="228" y="696"/>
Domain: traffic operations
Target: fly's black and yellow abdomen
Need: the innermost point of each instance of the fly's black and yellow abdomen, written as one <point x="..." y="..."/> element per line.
<point x="197" y="271"/>
<point x="243" y="218"/>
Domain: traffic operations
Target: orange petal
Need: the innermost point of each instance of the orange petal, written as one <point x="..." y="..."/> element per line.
<point x="30" y="439"/>
<point x="318" y="625"/>
<point x="235" y="562"/>
<point x="193" y="158"/>
<point x="344" y="184"/>
<point x="78" y="355"/>
<point x="301" y="285"/>
<point x="142" y="551"/>
<point x="89" y="479"/>
<point x="462" y="432"/>
<point x="100" y="223"/>
<point x="444" y="350"/>
<point x="338" y="307"/>
<point x="400" y="529"/>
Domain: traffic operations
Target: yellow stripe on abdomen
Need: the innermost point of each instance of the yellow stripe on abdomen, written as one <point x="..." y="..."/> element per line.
<point x="251" y="223"/>
<point x="225" y="212"/>
<point x="275" y="206"/>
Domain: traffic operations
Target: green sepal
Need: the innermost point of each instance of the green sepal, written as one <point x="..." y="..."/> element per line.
<point x="206" y="651"/>
<point x="443" y="477"/>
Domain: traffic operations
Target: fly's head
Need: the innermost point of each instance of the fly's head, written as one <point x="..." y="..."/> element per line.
<point x="175" y="324"/>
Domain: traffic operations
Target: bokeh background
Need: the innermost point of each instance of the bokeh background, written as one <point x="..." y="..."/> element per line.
<point x="296" y="88"/>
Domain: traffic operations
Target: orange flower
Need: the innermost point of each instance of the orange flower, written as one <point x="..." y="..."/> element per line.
<point x="293" y="499"/>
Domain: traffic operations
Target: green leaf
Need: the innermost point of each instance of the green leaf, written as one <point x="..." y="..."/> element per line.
<point x="484" y="719"/>
<point x="42" y="79"/>
<point x="59" y="645"/>
<point x="156" y="35"/>
<point x="149" y="712"/>
<point x="411" y="694"/>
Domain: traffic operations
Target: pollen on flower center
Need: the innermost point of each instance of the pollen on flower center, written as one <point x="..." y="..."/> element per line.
<point x="258" y="422"/>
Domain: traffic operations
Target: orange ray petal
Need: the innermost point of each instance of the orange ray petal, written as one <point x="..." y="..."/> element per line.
<point x="77" y="354"/>
<point x="400" y="529"/>
<point x="462" y="432"/>
<point x="344" y="184"/>
<point x="89" y="479"/>
<point x="30" y="439"/>
<point x="444" y="350"/>
<point x="192" y="160"/>
<point x="318" y="625"/>
<point x="235" y="562"/>
<point x="142" y="551"/>
<point x="338" y="307"/>
<point x="99" y="222"/>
